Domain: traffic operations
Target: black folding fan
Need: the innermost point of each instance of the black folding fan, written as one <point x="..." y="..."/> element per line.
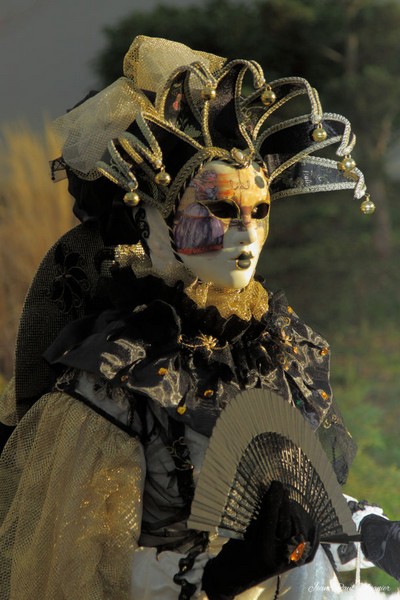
<point x="259" y="438"/>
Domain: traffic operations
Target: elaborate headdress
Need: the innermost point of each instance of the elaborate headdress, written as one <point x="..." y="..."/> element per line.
<point x="176" y="109"/>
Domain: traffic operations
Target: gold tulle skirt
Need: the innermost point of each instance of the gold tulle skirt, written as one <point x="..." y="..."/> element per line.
<point x="71" y="488"/>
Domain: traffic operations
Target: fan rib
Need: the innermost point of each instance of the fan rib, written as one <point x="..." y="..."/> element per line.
<point x="259" y="438"/>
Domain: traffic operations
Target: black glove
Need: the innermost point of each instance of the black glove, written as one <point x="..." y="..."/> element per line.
<point x="280" y="538"/>
<point x="381" y="543"/>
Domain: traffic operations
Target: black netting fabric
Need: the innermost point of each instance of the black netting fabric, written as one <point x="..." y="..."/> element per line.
<point x="62" y="290"/>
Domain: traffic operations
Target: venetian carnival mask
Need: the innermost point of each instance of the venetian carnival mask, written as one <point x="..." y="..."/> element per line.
<point x="221" y="223"/>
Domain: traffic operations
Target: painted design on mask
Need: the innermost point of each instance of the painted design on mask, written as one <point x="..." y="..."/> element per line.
<point x="198" y="231"/>
<point x="222" y="223"/>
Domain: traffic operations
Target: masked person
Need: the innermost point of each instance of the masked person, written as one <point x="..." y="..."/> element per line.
<point x="145" y="320"/>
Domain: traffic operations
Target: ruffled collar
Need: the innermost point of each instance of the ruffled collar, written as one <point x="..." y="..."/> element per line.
<point x="191" y="361"/>
<point x="246" y="304"/>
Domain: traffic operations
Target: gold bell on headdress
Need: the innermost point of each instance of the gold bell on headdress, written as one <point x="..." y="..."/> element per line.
<point x="131" y="198"/>
<point x="268" y="96"/>
<point x="367" y="206"/>
<point x="209" y="92"/>
<point x="319" y="134"/>
<point x="163" y="178"/>
<point x="347" y="164"/>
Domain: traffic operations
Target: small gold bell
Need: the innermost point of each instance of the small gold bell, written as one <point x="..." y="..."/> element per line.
<point x="319" y="134"/>
<point x="208" y="92"/>
<point x="131" y="199"/>
<point x="163" y="178"/>
<point x="347" y="164"/>
<point x="268" y="96"/>
<point x="367" y="206"/>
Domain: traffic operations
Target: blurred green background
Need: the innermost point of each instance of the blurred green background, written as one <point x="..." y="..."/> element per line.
<point x="339" y="268"/>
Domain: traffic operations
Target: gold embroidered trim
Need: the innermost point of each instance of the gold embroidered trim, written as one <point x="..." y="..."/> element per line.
<point x="250" y="302"/>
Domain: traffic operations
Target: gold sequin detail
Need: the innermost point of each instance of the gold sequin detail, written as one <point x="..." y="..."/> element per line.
<point x="181" y="410"/>
<point x="124" y="378"/>
<point x="208" y="393"/>
<point x="323" y="395"/>
<point x="250" y="302"/>
<point x="324" y="351"/>
<point x="162" y="371"/>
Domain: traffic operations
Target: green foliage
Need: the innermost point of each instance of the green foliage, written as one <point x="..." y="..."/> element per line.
<point x="365" y="377"/>
<point x="321" y="252"/>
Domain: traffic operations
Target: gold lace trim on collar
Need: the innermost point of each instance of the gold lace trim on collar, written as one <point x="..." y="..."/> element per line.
<point x="250" y="302"/>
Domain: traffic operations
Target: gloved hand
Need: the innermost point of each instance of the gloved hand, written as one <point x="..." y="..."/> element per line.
<point x="280" y="538"/>
<point x="344" y="556"/>
<point x="381" y="543"/>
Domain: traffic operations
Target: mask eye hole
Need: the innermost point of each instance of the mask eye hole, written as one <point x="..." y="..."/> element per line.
<point x="260" y="211"/>
<point x="224" y="210"/>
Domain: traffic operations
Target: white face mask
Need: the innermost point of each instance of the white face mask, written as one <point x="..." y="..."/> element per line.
<point x="222" y="223"/>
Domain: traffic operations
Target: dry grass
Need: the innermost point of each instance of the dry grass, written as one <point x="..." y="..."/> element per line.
<point x="34" y="212"/>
